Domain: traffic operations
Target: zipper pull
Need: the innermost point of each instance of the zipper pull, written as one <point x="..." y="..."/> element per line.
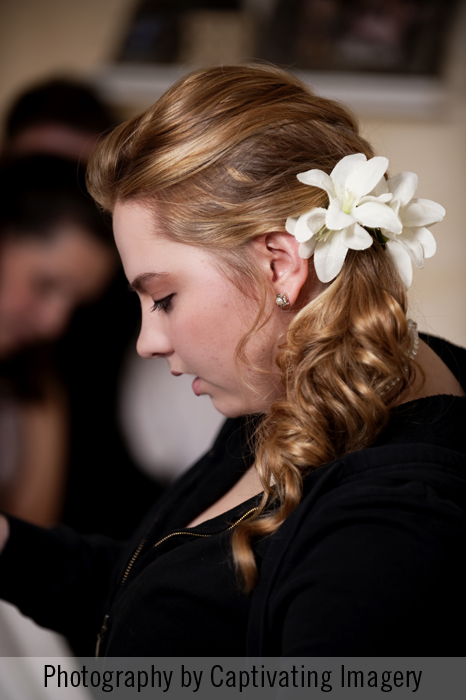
<point x="101" y="635"/>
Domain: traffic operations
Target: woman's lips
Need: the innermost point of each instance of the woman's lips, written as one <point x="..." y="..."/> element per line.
<point x="196" y="385"/>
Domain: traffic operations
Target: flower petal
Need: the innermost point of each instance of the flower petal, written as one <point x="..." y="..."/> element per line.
<point x="403" y="186"/>
<point x="317" y="178"/>
<point x="366" y="176"/>
<point x="306" y="248"/>
<point x="427" y="241"/>
<point x="421" y="212"/>
<point x="315" y="220"/>
<point x="402" y="261"/>
<point x="384" y="198"/>
<point x="343" y="170"/>
<point x="377" y="215"/>
<point x="356" y="237"/>
<point x="336" y="219"/>
<point x="329" y="257"/>
<point x="380" y="188"/>
<point x="302" y="232"/>
<point x="412" y="246"/>
<point x="290" y="224"/>
<point x="309" y="224"/>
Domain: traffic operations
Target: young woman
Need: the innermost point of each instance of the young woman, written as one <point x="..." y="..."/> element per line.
<point x="271" y="255"/>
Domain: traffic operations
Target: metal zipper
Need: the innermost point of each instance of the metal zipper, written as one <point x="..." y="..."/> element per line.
<point x="103" y="629"/>
<point x="198" y="534"/>
<point x="100" y="636"/>
<point x="133" y="559"/>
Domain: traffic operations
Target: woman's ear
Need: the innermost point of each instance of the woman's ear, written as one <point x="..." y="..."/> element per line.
<point x="287" y="272"/>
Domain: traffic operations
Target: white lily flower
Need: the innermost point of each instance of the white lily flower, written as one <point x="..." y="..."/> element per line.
<point x="415" y="242"/>
<point x="353" y="204"/>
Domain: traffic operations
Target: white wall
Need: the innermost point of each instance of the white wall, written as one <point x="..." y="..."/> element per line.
<point x="40" y="37"/>
<point x="437" y="152"/>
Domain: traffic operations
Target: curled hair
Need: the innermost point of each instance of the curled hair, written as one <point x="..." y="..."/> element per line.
<point x="218" y="157"/>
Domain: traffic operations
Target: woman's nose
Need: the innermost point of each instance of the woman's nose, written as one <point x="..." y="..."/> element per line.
<point x="153" y="340"/>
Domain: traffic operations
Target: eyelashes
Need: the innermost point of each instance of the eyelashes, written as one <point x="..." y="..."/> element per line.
<point x="164" y="304"/>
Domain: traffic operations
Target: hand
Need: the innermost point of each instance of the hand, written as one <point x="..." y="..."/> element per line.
<point x="4" y="532"/>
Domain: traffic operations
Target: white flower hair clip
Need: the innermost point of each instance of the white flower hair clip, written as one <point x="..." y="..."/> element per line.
<point x="364" y="205"/>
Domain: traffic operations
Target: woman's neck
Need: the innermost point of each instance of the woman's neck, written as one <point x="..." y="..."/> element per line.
<point x="248" y="486"/>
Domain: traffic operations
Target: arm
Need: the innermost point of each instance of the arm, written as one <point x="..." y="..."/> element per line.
<point x="57" y="577"/>
<point x="36" y="492"/>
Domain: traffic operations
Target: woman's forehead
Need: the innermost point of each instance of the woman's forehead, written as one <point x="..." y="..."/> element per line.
<point x="130" y="212"/>
<point x="147" y="253"/>
<point x="133" y="226"/>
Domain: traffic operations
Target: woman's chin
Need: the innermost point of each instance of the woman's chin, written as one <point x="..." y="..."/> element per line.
<point x="227" y="407"/>
<point x="231" y="408"/>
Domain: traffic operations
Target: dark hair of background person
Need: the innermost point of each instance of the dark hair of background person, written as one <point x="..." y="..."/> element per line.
<point x="59" y="101"/>
<point x="37" y="191"/>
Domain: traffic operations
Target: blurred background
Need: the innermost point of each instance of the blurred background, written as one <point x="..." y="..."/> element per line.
<point x="400" y="65"/>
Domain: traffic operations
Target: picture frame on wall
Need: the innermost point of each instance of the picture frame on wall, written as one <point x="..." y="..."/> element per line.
<point x="407" y="37"/>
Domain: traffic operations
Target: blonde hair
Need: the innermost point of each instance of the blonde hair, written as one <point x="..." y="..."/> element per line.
<point x="218" y="155"/>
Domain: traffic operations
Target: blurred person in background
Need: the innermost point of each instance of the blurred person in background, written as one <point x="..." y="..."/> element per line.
<point x="67" y="117"/>
<point x="58" y="401"/>
<point x="55" y="254"/>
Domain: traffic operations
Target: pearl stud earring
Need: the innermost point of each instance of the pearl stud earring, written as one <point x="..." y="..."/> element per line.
<point x="282" y="301"/>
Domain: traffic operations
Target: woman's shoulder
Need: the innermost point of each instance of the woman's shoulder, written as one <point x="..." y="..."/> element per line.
<point x="380" y="496"/>
<point x="454" y="356"/>
<point x="414" y="490"/>
<point x="395" y="473"/>
<point x="399" y="471"/>
<point x="373" y="542"/>
<point x="436" y="416"/>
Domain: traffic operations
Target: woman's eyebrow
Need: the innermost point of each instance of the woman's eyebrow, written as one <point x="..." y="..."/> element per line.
<point x="139" y="281"/>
